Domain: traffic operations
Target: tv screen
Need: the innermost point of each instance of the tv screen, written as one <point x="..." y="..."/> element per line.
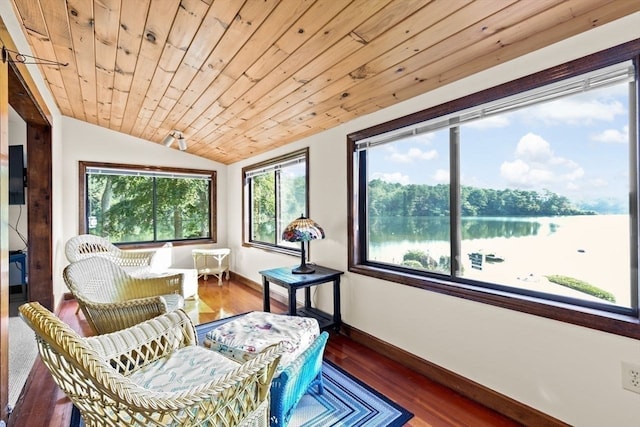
<point x="16" y="175"/>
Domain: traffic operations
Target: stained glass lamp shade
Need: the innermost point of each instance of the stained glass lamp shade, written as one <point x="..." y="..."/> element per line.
<point x="303" y="230"/>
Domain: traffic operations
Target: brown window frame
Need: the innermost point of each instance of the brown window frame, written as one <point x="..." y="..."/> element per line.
<point x="82" y="209"/>
<point x="621" y="324"/>
<point x="246" y="205"/>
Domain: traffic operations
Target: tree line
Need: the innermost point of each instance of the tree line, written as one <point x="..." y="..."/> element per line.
<point x="388" y="199"/>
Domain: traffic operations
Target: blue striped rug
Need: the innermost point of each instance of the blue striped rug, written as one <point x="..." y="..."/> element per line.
<point x="346" y="401"/>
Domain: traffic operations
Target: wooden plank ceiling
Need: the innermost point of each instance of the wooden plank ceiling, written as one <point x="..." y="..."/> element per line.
<point x="242" y="77"/>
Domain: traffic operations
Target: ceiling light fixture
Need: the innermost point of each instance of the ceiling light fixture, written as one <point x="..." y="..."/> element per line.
<point x="168" y="140"/>
<point x="182" y="143"/>
<point x="173" y="136"/>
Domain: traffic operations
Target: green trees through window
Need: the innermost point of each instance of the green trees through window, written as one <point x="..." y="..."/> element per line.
<point x="131" y="205"/>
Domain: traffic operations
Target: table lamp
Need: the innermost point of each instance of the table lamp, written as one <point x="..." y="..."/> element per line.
<point x="302" y="230"/>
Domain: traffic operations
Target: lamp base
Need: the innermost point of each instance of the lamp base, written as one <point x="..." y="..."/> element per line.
<point x="303" y="269"/>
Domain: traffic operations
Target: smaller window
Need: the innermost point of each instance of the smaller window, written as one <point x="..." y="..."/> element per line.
<point x="132" y="204"/>
<point x="275" y="193"/>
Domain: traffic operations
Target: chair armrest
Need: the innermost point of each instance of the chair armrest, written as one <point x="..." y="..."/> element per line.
<point x="141" y="287"/>
<point x="115" y="316"/>
<point x="294" y="380"/>
<point x="145" y="341"/>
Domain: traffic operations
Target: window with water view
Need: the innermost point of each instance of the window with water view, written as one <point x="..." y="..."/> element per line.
<point x="527" y="194"/>
<point x="139" y="205"/>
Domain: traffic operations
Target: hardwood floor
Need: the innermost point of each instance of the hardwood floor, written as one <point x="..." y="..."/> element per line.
<point x="42" y="404"/>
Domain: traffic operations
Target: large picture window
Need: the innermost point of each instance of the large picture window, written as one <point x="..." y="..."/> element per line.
<point x="132" y="204"/>
<point x="520" y="200"/>
<point x="275" y="193"/>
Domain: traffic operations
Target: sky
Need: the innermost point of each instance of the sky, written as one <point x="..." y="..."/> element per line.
<point x="577" y="146"/>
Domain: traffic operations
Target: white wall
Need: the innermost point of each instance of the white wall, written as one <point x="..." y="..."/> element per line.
<point x="86" y="142"/>
<point x="570" y="372"/>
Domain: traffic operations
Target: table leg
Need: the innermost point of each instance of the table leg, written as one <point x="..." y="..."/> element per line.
<point x="292" y="301"/>
<point x="266" y="303"/>
<point x="337" y="317"/>
<point x="307" y="297"/>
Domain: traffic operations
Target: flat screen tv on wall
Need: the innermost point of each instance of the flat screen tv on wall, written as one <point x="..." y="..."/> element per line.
<point x="16" y="175"/>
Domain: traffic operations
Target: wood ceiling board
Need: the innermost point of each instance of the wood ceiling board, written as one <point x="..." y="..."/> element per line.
<point x="159" y="19"/>
<point x="279" y="83"/>
<point x="80" y="21"/>
<point x="183" y="30"/>
<point x="217" y="20"/>
<point x="106" y="28"/>
<point x="132" y="23"/>
<point x="242" y="77"/>
<point x="39" y="106"/>
<point x="64" y="82"/>
<point x="241" y="29"/>
<point x="33" y="21"/>
<point x="437" y="15"/>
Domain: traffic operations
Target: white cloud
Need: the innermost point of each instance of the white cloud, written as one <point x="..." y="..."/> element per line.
<point x="393" y="177"/>
<point x="534" y="148"/>
<point x="612" y="136"/>
<point x="441" y="176"/>
<point x="536" y="165"/>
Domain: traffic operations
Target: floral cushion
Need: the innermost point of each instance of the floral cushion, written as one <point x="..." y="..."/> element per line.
<point x="245" y="337"/>
<point x="184" y="368"/>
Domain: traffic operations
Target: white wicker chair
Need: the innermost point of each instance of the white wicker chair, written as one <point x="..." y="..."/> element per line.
<point x="152" y="374"/>
<point x="111" y="299"/>
<point x="87" y="245"/>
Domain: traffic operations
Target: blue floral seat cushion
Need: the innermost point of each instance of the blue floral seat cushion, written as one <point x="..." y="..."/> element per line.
<point x="184" y="368"/>
<point x="243" y="338"/>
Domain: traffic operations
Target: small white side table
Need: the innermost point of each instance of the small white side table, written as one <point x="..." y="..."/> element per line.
<point x="212" y="262"/>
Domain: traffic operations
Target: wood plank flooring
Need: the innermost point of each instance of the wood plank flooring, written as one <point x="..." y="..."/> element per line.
<point x="42" y="404"/>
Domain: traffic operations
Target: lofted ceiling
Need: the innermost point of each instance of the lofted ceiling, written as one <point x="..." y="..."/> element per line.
<point x="238" y="78"/>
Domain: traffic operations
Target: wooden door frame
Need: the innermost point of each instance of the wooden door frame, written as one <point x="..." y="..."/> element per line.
<point x="19" y="91"/>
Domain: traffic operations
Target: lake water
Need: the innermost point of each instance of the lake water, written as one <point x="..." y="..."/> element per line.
<point x="592" y="248"/>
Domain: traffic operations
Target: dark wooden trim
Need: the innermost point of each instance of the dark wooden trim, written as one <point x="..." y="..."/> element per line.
<point x="511" y="408"/>
<point x="246" y="241"/>
<point x="19" y="91"/>
<point x="39" y="200"/>
<point x="599" y="317"/>
<point x="22" y="100"/>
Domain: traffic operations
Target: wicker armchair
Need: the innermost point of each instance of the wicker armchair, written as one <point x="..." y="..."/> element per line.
<point x="87" y="245"/>
<point x="111" y="299"/>
<point x="152" y="374"/>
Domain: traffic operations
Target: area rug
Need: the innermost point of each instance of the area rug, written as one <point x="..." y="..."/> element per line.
<point x="346" y="401"/>
<point x="23" y="352"/>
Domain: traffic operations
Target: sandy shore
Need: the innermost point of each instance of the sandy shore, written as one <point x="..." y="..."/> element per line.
<point x="594" y="249"/>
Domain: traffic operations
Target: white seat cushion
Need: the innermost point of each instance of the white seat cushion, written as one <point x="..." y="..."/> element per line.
<point x="184" y="368"/>
<point x="243" y="338"/>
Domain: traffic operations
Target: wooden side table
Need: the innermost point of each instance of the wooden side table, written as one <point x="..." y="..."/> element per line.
<point x="284" y="277"/>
